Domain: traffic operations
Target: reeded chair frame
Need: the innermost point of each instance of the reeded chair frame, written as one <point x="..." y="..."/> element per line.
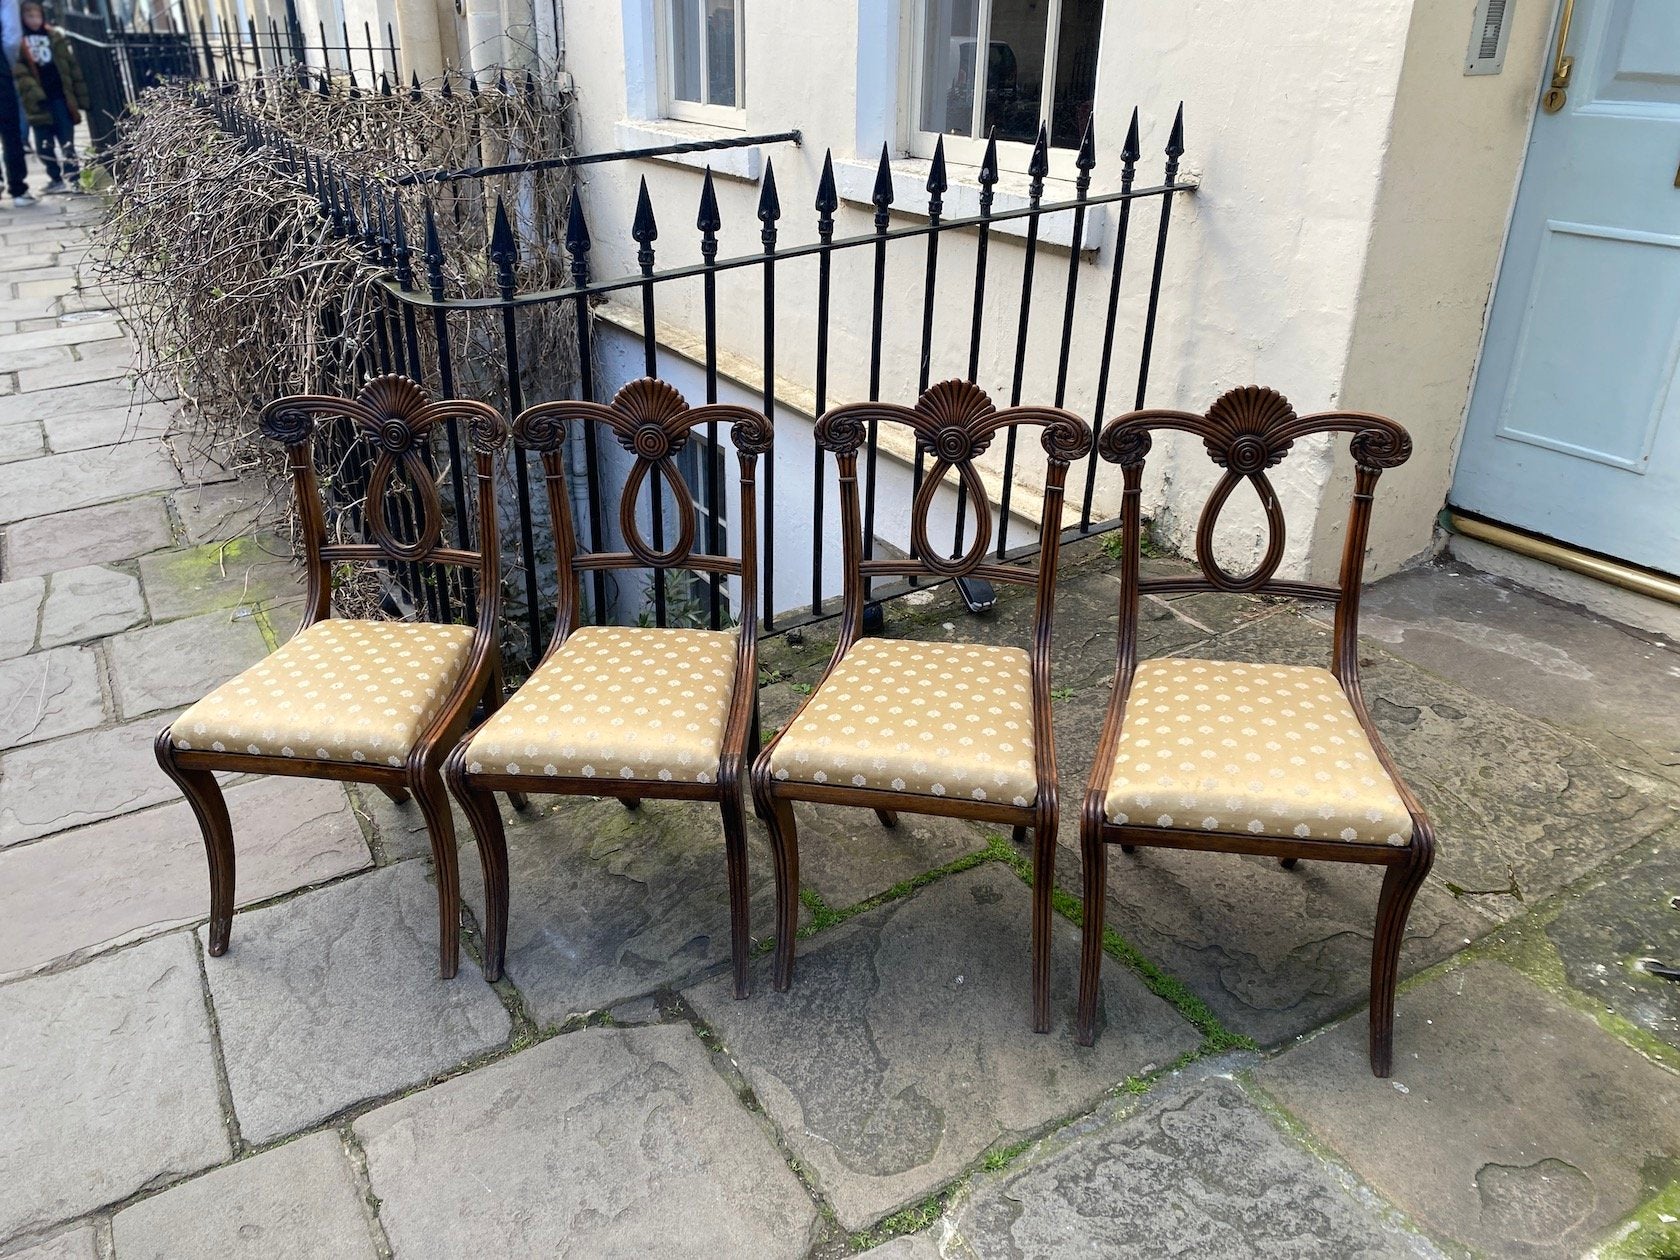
<point x="653" y="422"/>
<point x="1247" y="431"/>
<point x="954" y="421"/>
<point x="395" y="416"/>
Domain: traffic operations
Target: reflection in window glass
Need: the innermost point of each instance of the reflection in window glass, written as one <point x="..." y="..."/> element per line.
<point x="948" y="66"/>
<point x="1015" y="68"/>
<point x="685" y="50"/>
<point x="721" y="17"/>
<point x="1076" y="72"/>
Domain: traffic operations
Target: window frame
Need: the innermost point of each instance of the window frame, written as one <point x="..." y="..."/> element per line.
<point x="734" y="116"/>
<point x="1013" y="155"/>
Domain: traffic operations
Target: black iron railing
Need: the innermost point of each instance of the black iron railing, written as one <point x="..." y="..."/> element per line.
<point x="440" y="296"/>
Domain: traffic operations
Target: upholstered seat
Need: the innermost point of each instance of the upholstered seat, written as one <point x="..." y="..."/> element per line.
<point x="622" y="702"/>
<point x="1273" y="750"/>
<point x="936" y="719"/>
<point x="357" y="691"/>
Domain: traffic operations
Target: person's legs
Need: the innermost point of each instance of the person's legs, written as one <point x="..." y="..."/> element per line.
<point x="11" y="134"/>
<point x="46" y="151"/>
<point x="66" y="133"/>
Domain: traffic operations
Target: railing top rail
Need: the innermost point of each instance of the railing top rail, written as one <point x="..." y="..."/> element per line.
<point x="591" y="159"/>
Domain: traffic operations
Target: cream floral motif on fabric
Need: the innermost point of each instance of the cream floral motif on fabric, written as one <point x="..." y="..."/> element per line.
<point x="938" y="719"/>
<point x="340" y="691"/>
<point x="1274" y="750"/>
<point x="619" y="702"/>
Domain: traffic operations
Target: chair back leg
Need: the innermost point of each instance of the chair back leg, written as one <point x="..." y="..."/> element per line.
<point x="735" y="858"/>
<point x="491" y="841"/>
<point x="1044" y="882"/>
<point x="1400" y="884"/>
<point x="427" y="785"/>
<point x="1094" y="855"/>
<point x="784" y="847"/>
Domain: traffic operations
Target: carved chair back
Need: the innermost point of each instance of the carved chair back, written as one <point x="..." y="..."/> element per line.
<point x="395" y="418"/>
<point x="954" y="422"/>
<point x="653" y="422"/>
<point x="1247" y="431"/>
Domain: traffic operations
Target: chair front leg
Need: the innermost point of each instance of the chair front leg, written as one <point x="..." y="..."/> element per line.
<point x="486" y="823"/>
<point x="1044" y="881"/>
<point x="1400" y="885"/>
<point x="735" y="857"/>
<point x="784" y="846"/>
<point x="1094" y="857"/>
<point x="425" y="781"/>
<point x="204" y="794"/>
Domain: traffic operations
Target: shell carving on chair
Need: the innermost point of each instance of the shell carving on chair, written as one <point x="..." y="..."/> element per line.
<point x="1248" y="429"/>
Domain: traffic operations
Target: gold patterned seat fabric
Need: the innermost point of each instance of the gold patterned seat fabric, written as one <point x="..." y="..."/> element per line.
<point x="620" y="702"/>
<point x="938" y="719"/>
<point x="1273" y="750"/>
<point x="340" y="690"/>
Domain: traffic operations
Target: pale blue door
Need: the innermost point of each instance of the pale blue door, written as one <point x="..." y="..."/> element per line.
<point x="1574" y="424"/>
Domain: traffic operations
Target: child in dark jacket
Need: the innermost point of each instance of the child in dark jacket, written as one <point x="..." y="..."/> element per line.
<point x="49" y="80"/>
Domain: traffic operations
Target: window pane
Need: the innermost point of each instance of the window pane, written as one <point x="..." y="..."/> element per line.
<point x="685" y="49"/>
<point x="948" y="66"/>
<point x="721" y="17"/>
<point x="1015" y="68"/>
<point x="1076" y="71"/>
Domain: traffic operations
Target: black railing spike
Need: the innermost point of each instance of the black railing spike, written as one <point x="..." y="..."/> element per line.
<point x="1175" y="140"/>
<point x="384" y="84"/>
<point x="530" y="85"/>
<point x="472" y="81"/>
<point x="937" y="182"/>
<point x="434" y="255"/>
<point x="448" y="89"/>
<point x="1132" y="150"/>
<point x="643" y="228"/>
<point x="308" y="176"/>
<point x="988" y="168"/>
<point x="323" y="87"/>
<point x="1038" y="166"/>
<point x="577" y="239"/>
<point x="387" y="255"/>
<point x="828" y="198"/>
<point x="504" y="252"/>
<point x="502" y="83"/>
<point x="708" y="220"/>
<point x="401" y="251"/>
<point x="414" y="85"/>
<point x="355" y="88"/>
<point x="882" y="195"/>
<point x="769" y="204"/>
<point x="1087" y="159"/>
<point x="370" y="229"/>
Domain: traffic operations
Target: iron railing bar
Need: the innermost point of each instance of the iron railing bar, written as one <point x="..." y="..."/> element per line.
<point x="591" y="159"/>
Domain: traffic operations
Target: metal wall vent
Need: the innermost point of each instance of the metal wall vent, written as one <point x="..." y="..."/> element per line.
<point x="1488" y="35"/>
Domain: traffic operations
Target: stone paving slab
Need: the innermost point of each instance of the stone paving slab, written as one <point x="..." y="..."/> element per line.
<point x="1513" y="1124"/>
<point x="98" y="367"/>
<point x="1509" y="796"/>
<point x="21" y="441"/>
<point x="80" y="779"/>
<point x="175" y="664"/>
<point x="94" y="535"/>
<point x="846" y="856"/>
<point x="80" y="430"/>
<point x="229" y="509"/>
<point x="298" y="1200"/>
<point x="77" y="479"/>
<point x="108" y="1086"/>
<point x="70" y="400"/>
<point x="20" y="614"/>
<point x="75" y="334"/>
<point x="1199" y="1170"/>
<point x="219" y="575"/>
<point x="29" y="358"/>
<point x="47" y="694"/>
<point x="1624" y="920"/>
<point x="600" y="1143"/>
<point x="606" y="904"/>
<point x="90" y="603"/>
<point x="905" y="1048"/>
<point x="140" y="874"/>
<point x="81" y="1243"/>
<point x="333" y="997"/>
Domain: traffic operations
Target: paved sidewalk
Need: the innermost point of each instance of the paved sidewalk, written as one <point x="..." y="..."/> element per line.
<point x="318" y="1092"/>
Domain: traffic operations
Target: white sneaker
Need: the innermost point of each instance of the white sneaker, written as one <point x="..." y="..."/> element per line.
<point x="57" y="186"/>
<point x="23" y="199"/>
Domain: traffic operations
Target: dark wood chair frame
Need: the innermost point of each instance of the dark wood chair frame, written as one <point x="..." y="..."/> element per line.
<point x="395" y="416"/>
<point x="652" y="421"/>
<point x="1247" y="431"/>
<point x="954" y="421"/>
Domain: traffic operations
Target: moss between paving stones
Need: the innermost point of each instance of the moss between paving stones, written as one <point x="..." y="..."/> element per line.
<point x="1651" y="1233"/>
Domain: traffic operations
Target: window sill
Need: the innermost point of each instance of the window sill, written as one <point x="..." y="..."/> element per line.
<point x="855" y="182"/>
<point x="744" y="163"/>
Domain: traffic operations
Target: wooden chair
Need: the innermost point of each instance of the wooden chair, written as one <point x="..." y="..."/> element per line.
<point x="1276" y="760"/>
<point x="953" y="729"/>
<point x="628" y="711"/>
<point x="378" y="702"/>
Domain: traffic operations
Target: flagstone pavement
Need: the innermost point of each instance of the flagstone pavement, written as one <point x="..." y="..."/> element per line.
<point x="319" y="1092"/>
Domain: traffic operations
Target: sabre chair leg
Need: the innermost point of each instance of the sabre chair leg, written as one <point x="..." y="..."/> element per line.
<point x="397" y="794"/>
<point x="486" y="822"/>
<point x="1400" y="885"/>
<point x="735" y="855"/>
<point x="428" y="789"/>
<point x="1044" y="880"/>
<point x="1288" y="864"/>
<point x="493" y="690"/>
<point x="631" y="803"/>
<point x="204" y="794"/>
<point x="784" y="845"/>
<point x="1094" y="855"/>
<point x="1018" y="836"/>
<point x="889" y="819"/>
